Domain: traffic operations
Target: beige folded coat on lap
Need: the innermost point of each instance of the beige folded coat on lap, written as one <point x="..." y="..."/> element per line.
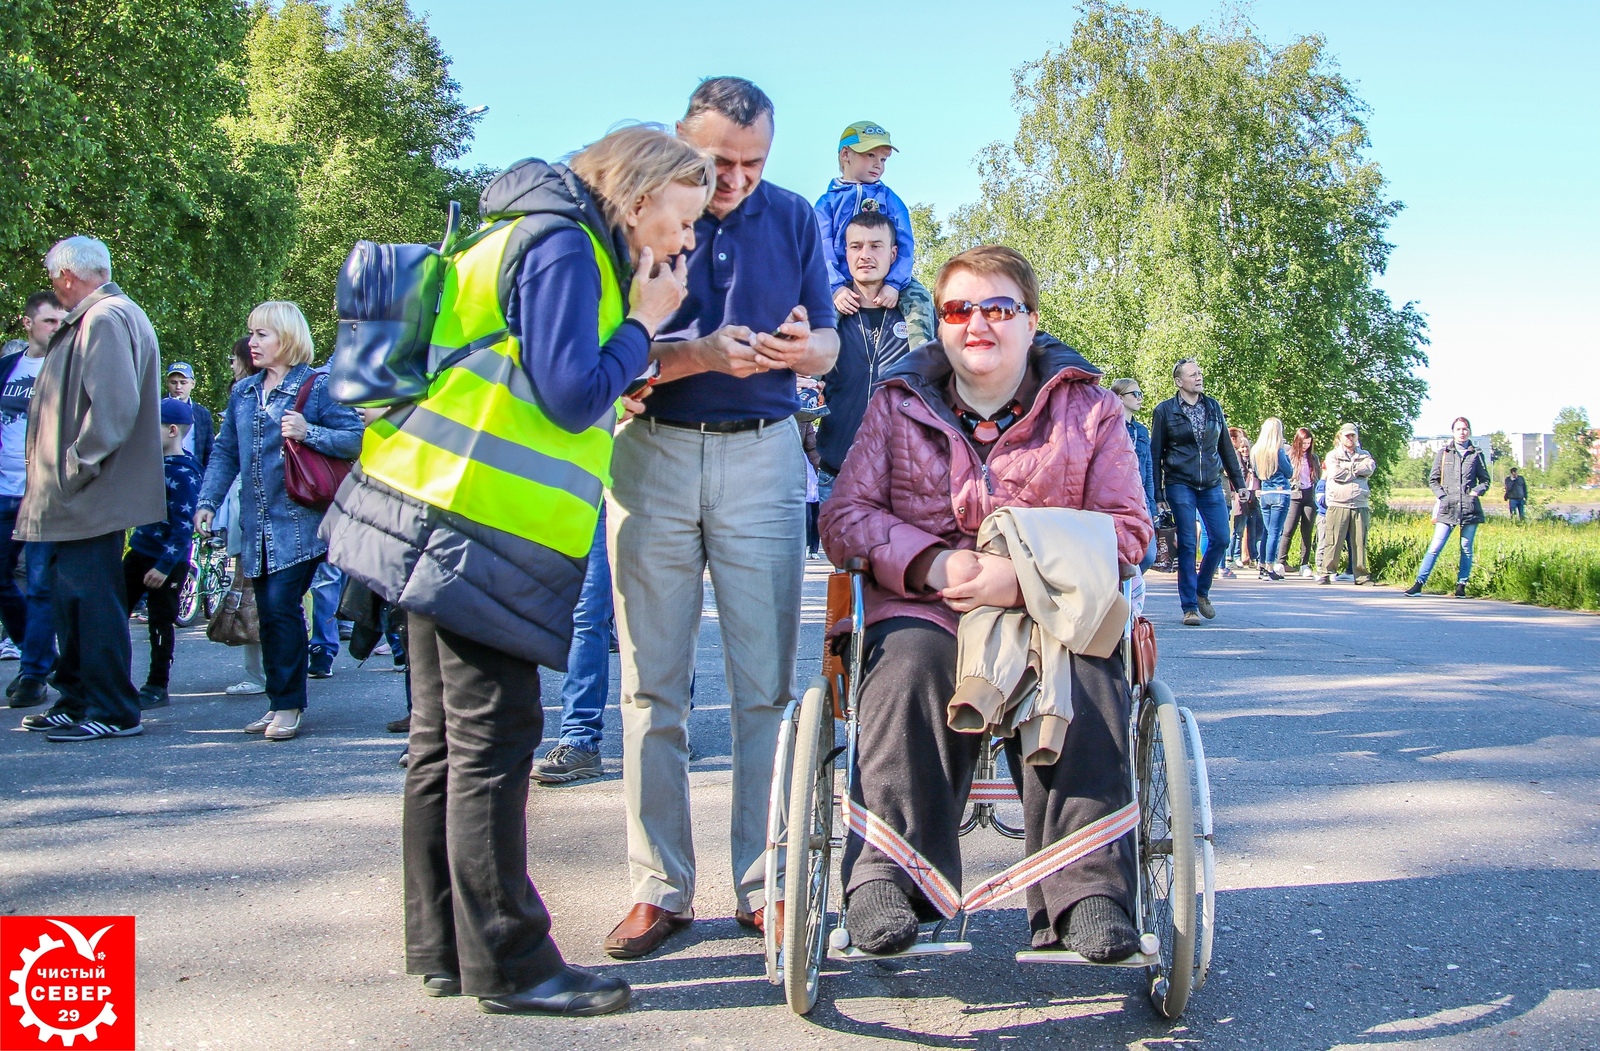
<point x="1066" y="563"/>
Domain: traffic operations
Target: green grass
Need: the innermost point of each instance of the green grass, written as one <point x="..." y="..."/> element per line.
<point x="1493" y="502"/>
<point x="1542" y="563"/>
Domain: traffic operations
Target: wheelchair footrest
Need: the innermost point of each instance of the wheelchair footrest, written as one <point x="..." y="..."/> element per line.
<point x="1138" y="959"/>
<point x="919" y="949"/>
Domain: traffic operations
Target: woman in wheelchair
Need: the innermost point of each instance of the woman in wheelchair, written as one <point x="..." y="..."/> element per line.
<point x="995" y="414"/>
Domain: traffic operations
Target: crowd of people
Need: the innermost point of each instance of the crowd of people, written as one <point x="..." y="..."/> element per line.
<point x="662" y="367"/>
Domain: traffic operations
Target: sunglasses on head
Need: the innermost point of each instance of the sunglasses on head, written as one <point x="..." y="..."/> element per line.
<point x="1000" y="308"/>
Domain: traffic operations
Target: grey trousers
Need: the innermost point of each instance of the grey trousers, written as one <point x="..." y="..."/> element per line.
<point x="683" y="502"/>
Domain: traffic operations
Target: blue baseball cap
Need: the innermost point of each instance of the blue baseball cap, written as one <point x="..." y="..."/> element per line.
<point x="174" y="410"/>
<point x="182" y="368"/>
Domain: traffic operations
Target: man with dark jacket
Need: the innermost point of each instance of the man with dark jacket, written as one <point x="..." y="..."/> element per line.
<point x="92" y="475"/>
<point x="197" y="443"/>
<point x="1190" y="449"/>
<point x="870" y="340"/>
<point x="1516" y="495"/>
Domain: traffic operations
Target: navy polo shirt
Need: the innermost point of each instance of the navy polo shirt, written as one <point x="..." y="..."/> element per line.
<point x="750" y="268"/>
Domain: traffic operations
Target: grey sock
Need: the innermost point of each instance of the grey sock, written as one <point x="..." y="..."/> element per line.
<point x="879" y="918"/>
<point x="1099" y="930"/>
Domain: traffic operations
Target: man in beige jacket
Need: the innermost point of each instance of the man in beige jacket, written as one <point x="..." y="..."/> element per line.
<point x="94" y="471"/>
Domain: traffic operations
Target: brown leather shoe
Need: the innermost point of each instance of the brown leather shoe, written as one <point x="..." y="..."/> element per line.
<point x="643" y="930"/>
<point x="757" y="921"/>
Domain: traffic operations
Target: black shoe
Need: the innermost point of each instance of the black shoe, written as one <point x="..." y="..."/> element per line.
<point x="54" y="719"/>
<point x="564" y="763"/>
<point x="1098" y="930"/>
<point x="345" y="630"/>
<point x="153" y="697"/>
<point x="1461" y="591"/>
<point x="572" y="992"/>
<point x="399" y="726"/>
<point x="27" y="692"/>
<point x="880" y="919"/>
<point x="1414" y="590"/>
<point x="93" y="730"/>
<point x="441" y="984"/>
<point x="319" y="664"/>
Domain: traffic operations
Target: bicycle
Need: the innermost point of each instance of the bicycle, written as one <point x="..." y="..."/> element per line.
<point x="210" y="577"/>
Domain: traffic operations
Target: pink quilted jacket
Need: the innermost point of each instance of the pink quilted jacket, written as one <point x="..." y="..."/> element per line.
<point x="912" y="479"/>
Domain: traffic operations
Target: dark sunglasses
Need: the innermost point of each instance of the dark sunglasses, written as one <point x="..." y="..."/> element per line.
<point x="1133" y="394"/>
<point x="1000" y="308"/>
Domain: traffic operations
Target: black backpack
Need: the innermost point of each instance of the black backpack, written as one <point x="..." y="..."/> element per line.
<point x="388" y="297"/>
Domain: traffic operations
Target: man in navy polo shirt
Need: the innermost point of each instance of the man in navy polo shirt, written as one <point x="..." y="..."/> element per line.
<point x="713" y="475"/>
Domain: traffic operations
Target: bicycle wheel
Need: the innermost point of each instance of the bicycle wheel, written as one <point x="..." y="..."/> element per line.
<point x="189" y="596"/>
<point x="1166" y="848"/>
<point x="810" y="849"/>
<point x="215" y="578"/>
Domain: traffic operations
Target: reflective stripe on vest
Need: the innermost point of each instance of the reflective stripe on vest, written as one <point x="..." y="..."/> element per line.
<point x="479" y="445"/>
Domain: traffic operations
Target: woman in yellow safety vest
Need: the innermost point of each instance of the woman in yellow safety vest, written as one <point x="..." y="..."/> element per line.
<point x="473" y="510"/>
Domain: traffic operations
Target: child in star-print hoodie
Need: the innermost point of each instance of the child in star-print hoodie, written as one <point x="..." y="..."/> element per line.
<point x="157" y="562"/>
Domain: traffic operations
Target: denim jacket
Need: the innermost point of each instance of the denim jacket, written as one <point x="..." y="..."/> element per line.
<point x="249" y="446"/>
<point x="1147" y="468"/>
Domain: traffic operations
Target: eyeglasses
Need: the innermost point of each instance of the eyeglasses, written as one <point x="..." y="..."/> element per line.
<point x="1133" y="394"/>
<point x="1000" y="308"/>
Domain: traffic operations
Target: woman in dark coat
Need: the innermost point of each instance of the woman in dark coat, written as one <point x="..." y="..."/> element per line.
<point x="1459" y="477"/>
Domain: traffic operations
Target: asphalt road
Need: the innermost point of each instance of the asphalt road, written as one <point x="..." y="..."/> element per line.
<point x="1408" y="826"/>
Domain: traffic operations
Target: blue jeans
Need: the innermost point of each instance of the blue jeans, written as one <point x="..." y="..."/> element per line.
<point x="283" y="632"/>
<point x="26" y="613"/>
<point x="326" y="584"/>
<point x="1515" y="509"/>
<point x="1441" y="535"/>
<point x="1246" y="527"/>
<point x="1190" y="506"/>
<point x="1275" y="512"/>
<point x="583" y="695"/>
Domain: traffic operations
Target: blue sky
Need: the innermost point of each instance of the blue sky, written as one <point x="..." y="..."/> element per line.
<point x="1483" y="118"/>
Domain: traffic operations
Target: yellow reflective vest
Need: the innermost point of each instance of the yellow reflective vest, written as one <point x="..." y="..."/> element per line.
<point x="478" y="445"/>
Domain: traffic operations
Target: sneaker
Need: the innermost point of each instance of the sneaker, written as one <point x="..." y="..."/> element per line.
<point x="1227" y="574"/>
<point x="399" y="664"/>
<point x="27" y="692"/>
<point x="320" y="664"/>
<point x="245" y="688"/>
<point x="93" y="730"/>
<point x="1345" y="578"/>
<point x="1323" y="579"/>
<point x="9" y="651"/>
<point x="1191" y="618"/>
<point x="346" y="628"/>
<point x="1306" y="573"/>
<point x="54" y="719"/>
<point x="380" y="650"/>
<point x="1414" y="590"/>
<point x="1207" y="610"/>
<point x="153" y="697"/>
<point x="1461" y="591"/>
<point x="566" y="763"/>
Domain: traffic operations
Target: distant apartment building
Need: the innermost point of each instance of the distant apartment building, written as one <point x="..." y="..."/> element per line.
<point x="1421" y="446"/>
<point x="1532" y="450"/>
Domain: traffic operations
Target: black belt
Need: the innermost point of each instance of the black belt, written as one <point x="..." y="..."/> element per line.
<point x="722" y="427"/>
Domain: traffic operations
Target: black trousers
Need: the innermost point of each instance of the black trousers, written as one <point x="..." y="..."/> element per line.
<point x="915" y="772"/>
<point x="162" y="607"/>
<point x="470" y="907"/>
<point x="94" y="673"/>
<point x="1302" y="515"/>
<point x="1090" y="781"/>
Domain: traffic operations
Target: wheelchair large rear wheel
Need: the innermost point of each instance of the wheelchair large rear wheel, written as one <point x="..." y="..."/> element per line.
<point x="1166" y="847"/>
<point x="809" y="851"/>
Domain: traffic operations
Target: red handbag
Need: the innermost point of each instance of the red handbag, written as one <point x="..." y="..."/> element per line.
<point x="310" y="478"/>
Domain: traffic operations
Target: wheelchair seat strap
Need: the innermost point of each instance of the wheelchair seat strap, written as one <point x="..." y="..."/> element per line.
<point x="1019" y="877"/>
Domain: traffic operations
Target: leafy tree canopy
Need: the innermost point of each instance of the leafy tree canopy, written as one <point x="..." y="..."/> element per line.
<point x="1196" y="193"/>
<point x="1574" y="462"/>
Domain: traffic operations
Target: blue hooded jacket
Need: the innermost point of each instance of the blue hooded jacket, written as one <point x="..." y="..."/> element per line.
<point x="843" y="202"/>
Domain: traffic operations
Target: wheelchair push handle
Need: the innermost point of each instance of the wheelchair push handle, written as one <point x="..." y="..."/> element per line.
<point x="855" y="564"/>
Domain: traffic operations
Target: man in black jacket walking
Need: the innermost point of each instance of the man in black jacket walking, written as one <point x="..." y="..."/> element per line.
<point x="1190" y="449"/>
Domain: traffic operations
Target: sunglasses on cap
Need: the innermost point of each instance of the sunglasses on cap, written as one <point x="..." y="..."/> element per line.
<point x="1000" y="308"/>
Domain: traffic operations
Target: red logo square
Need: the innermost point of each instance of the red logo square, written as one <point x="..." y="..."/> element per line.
<point x="66" y="981"/>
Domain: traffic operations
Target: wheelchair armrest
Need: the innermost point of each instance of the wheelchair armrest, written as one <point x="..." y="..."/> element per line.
<point x="857" y="564"/>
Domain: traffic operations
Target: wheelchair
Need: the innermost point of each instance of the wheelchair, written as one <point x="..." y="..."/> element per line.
<point x="811" y="813"/>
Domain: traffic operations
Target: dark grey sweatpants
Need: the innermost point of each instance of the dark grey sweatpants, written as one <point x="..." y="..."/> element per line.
<point x="915" y="772"/>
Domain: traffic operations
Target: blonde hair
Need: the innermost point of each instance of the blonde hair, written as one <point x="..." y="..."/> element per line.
<point x="1123" y="386"/>
<point x="633" y="163"/>
<point x="285" y="320"/>
<point x="1265" y="451"/>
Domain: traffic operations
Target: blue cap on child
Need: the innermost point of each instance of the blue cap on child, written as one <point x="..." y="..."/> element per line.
<point x="175" y="411"/>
